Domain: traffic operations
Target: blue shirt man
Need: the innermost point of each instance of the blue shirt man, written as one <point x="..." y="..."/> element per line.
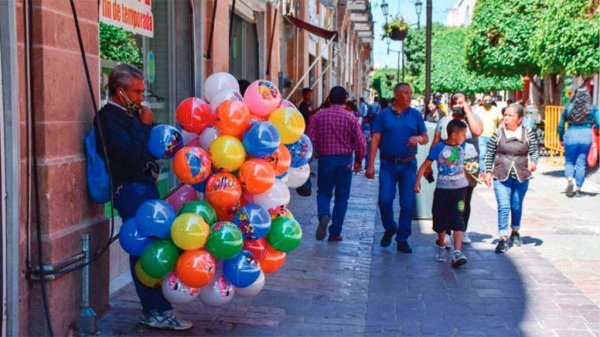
<point x="396" y="132"/>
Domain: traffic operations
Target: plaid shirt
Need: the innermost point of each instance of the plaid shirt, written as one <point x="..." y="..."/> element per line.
<point x="336" y="131"/>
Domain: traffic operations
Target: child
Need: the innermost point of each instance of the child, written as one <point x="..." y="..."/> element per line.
<point x="449" y="196"/>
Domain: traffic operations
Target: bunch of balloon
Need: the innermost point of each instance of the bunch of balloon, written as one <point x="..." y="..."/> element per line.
<point x="243" y="154"/>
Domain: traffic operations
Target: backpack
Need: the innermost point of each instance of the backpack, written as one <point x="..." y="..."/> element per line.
<point x="96" y="174"/>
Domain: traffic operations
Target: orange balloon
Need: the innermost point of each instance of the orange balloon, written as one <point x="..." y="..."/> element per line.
<point x="191" y="165"/>
<point x="272" y="260"/>
<point x="233" y="118"/>
<point x="223" y="190"/>
<point x="281" y="160"/>
<point x="195" y="268"/>
<point x="257" y="176"/>
<point x="226" y="214"/>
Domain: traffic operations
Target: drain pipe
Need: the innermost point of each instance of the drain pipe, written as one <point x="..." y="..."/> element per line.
<point x="87" y="315"/>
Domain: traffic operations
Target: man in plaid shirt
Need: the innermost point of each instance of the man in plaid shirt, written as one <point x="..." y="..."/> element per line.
<point x="335" y="134"/>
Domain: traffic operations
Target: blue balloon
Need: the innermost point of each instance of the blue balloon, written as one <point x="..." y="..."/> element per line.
<point x="131" y="241"/>
<point x="154" y="219"/>
<point x="301" y="151"/>
<point x="164" y="141"/>
<point x="242" y="270"/>
<point x="253" y="220"/>
<point x="200" y="187"/>
<point x="261" y="140"/>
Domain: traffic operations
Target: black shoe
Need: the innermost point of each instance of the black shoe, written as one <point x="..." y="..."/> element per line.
<point x="386" y="240"/>
<point x="304" y="191"/>
<point x="515" y="238"/>
<point x="322" y="228"/>
<point x="404" y="247"/>
<point x="335" y="238"/>
<point x="502" y="246"/>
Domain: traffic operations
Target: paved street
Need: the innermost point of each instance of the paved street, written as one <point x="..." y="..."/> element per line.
<point x="548" y="287"/>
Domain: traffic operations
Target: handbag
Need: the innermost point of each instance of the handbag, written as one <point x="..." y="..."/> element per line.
<point x="592" y="157"/>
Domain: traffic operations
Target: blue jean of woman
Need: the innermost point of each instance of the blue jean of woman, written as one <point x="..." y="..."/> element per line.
<point x="128" y="199"/>
<point x="509" y="196"/>
<point x="577" y="143"/>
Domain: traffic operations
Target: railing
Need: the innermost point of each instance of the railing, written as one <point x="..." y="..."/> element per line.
<point x="551" y="140"/>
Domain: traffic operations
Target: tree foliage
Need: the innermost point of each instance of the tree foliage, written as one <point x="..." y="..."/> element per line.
<point x="119" y="45"/>
<point x="383" y="81"/>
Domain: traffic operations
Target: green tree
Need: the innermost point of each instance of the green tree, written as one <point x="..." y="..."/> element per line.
<point x="119" y="45"/>
<point x="383" y="81"/>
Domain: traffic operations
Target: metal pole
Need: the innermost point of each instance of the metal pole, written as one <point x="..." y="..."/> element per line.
<point x="398" y="70"/>
<point x="428" y="53"/>
<point x="86" y="314"/>
<point x="402" y="55"/>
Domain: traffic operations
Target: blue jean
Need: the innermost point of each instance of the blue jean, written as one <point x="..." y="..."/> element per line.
<point x="128" y="199"/>
<point x="334" y="173"/>
<point x="509" y="196"/>
<point x="483" y="142"/>
<point x="404" y="176"/>
<point x="577" y="142"/>
<point x="368" y="140"/>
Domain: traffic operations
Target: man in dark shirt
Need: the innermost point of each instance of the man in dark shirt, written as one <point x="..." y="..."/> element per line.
<point x="305" y="106"/>
<point x="126" y="126"/>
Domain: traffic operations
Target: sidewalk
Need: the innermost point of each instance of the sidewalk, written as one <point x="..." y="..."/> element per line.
<point x="548" y="287"/>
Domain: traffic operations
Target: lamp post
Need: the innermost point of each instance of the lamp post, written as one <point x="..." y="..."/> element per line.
<point x="388" y="41"/>
<point x="385" y="9"/>
<point x="418" y="9"/>
<point x="428" y="52"/>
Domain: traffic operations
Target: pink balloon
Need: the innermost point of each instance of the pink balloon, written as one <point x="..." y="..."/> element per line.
<point x="181" y="195"/>
<point x="262" y="97"/>
<point x="194" y="142"/>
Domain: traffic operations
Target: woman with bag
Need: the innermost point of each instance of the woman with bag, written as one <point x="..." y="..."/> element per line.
<point x="580" y="115"/>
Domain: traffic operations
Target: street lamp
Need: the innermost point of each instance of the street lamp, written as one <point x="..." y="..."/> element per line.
<point x="384" y="8"/>
<point x="419" y="9"/>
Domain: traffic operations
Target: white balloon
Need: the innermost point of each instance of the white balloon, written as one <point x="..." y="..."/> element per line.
<point x="176" y="292"/>
<point x="253" y="289"/>
<point x="287" y="104"/>
<point x="187" y="136"/>
<point x="298" y="175"/>
<point x="218" y="82"/>
<point x="278" y="195"/>
<point x="284" y="177"/>
<point x="207" y="137"/>
<point x="222" y="96"/>
<point x="218" y="292"/>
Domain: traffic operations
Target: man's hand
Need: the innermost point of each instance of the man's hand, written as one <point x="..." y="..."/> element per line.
<point x="418" y="186"/>
<point x="532" y="167"/>
<point x="488" y="179"/>
<point x="146" y="115"/>
<point x="370" y="173"/>
<point x="414" y="140"/>
<point x="357" y="167"/>
<point x="562" y="144"/>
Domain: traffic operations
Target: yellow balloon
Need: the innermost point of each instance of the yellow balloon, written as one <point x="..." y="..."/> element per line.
<point x="146" y="280"/>
<point x="290" y="124"/>
<point x="189" y="231"/>
<point x="227" y="152"/>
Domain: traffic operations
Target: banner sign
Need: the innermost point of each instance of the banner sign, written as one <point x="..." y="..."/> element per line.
<point x="132" y="15"/>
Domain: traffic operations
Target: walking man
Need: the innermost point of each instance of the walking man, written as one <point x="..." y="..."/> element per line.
<point x="335" y="134"/>
<point x="396" y="132"/>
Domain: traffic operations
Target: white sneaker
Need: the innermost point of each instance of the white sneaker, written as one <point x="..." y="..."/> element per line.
<point x="448" y="242"/>
<point x="441" y="254"/>
<point x="466" y="239"/>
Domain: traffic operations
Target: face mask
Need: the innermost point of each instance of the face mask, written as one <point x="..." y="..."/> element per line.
<point x="487" y="103"/>
<point x="131" y="106"/>
<point x="458" y="111"/>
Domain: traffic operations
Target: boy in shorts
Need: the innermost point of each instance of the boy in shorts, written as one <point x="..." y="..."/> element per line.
<point x="449" y="195"/>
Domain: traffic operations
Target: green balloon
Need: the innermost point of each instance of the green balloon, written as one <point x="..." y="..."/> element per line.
<point x="201" y="208"/>
<point x="285" y="234"/>
<point x="159" y="258"/>
<point x="225" y="240"/>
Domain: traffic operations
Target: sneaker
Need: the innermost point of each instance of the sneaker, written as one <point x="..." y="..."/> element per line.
<point x="578" y="194"/>
<point x="441" y="253"/>
<point x="168" y="320"/>
<point x="335" y="238"/>
<point x="502" y="247"/>
<point x="466" y="239"/>
<point x="458" y="259"/>
<point x="386" y="240"/>
<point x="448" y="242"/>
<point x="515" y="238"/>
<point x="322" y="228"/>
<point x="570" y="192"/>
<point x="404" y="247"/>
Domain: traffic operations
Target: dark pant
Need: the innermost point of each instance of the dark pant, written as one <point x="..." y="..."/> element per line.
<point x="334" y="173"/>
<point x="128" y="199"/>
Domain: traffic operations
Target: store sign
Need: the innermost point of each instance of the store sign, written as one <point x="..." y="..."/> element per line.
<point x="132" y="15"/>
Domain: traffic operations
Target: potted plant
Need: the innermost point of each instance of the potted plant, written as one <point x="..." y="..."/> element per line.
<point x="396" y="29"/>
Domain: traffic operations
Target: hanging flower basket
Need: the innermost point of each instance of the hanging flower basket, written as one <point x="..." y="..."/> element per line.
<point x="397" y="29"/>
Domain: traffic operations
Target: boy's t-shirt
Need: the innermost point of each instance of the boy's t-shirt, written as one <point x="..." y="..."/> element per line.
<point x="450" y="163"/>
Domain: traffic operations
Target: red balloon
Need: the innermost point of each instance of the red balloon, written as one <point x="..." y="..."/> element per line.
<point x="258" y="248"/>
<point x="194" y="115"/>
<point x="191" y="165"/>
<point x="195" y="268"/>
<point x="257" y="176"/>
<point x="223" y="190"/>
<point x="233" y="118"/>
<point x="226" y="214"/>
<point x="272" y="260"/>
<point x="281" y="160"/>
